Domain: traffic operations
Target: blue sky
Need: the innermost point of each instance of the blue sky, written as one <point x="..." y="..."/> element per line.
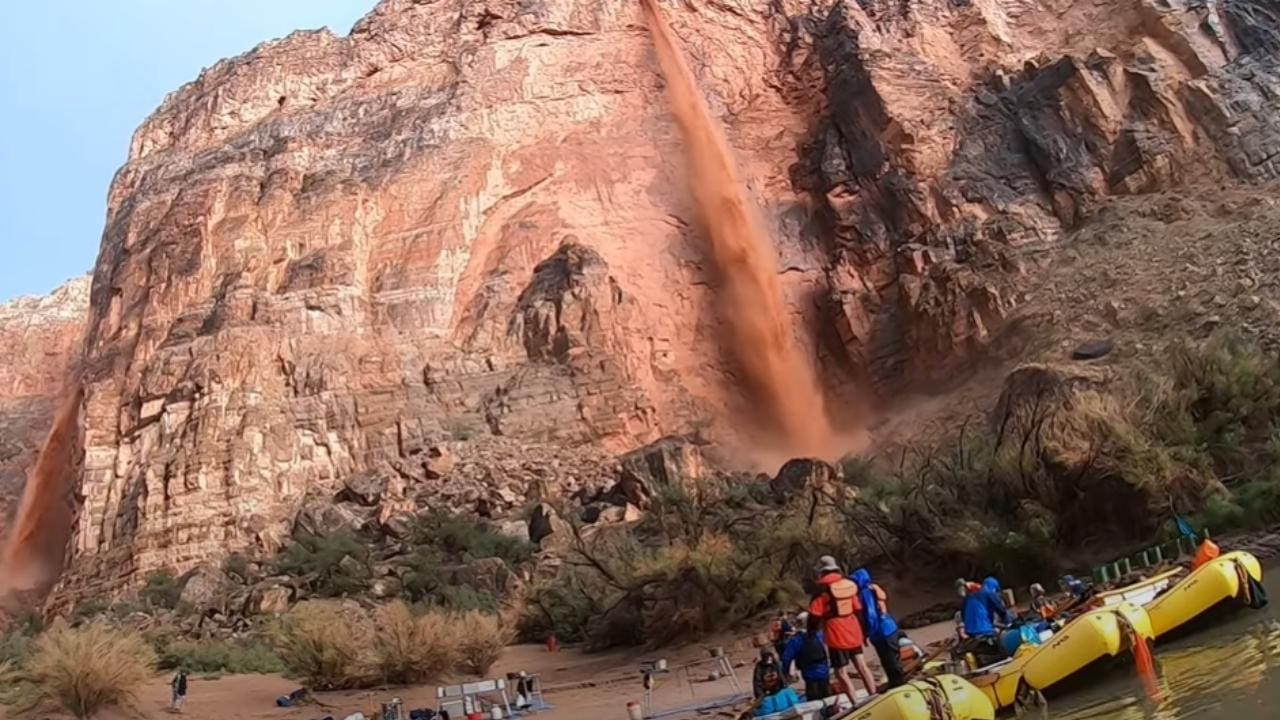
<point x="77" y="78"/>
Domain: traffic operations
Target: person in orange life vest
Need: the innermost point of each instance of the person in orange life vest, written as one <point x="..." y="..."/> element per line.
<point x="836" y="602"/>
<point x="1040" y="602"/>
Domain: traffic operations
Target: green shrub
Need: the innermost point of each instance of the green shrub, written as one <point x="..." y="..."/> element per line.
<point x="462" y="430"/>
<point x="88" y="609"/>
<point x="421" y="577"/>
<point x="332" y="565"/>
<point x="15" y="644"/>
<point x="464" y="598"/>
<point x="237" y="565"/>
<point x="161" y="591"/>
<point x="1261" y="501"/>
<point x="459" y="539"/>
<point x="689" y="568"/>
<point x="221" y="656"/>
<point x="565" y="605"/>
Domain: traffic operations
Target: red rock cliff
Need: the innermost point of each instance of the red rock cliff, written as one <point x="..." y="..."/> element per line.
<point x="40" y="338"/>
<point x="466" y="221"/>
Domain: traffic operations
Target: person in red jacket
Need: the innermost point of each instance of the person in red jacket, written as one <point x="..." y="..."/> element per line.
<point x="836" y="602"/>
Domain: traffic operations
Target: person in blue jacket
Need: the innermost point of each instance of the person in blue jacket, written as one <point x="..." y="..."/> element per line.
<point x="879" y="626"/>
<point x="808" y="650"/>
<point x="981" y="609"/>
<point x="777" y="698"/>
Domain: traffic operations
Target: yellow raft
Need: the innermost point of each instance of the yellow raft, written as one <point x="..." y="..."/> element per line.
<point x="1206" y="586"/>
<point x="951" y="695"/>
<point x="1088" y="638"/>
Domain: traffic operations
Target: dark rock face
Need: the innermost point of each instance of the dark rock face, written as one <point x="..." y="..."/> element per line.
<point x="930" y="183"/>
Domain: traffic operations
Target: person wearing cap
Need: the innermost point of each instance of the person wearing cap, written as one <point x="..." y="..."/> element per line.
<point x="836" y="604"/>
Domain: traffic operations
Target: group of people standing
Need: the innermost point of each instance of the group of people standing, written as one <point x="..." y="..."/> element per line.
<point x="844" y="615"/>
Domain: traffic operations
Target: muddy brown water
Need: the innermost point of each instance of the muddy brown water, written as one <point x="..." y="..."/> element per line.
<point x="1226" y="669"/>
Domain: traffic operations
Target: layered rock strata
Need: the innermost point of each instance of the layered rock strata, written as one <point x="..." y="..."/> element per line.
<point x="465" y="223"/>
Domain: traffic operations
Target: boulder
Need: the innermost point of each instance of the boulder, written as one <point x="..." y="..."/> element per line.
<point x="399" y="526"/>
<point x="322" y="517"/>
<point x="615" y="515"/>
<point x="591" y="512"/>
<point x="395" y="517"/>
<point x="270" y="599"/>
<point x="546" y="526"/>
<point x="364" y="488"/>
<point x="353" y="567"/>
<point x="385" y="587"/>
<point x="675" y="462"/>
<point x="802" y="476"/>
<point x="439" y="462"/>
<point x="1093" y="349"/>
<point x="204" y="588"/>
<point x="517" y="529"/>
<point x="490" y="575"/>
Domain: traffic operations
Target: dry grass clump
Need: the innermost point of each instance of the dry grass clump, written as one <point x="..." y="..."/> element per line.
<point x="333" y="646"/>
<point x="88" y="668"/>
<point x="411" y="649"/>
<point x="480" y="639"/>
<point x="326" y="644"/>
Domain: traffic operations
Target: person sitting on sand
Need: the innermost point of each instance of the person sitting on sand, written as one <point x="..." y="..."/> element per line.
<point x="768" y="663"/>
<point x="808" y="650"/>
<point x="777" y="698"/>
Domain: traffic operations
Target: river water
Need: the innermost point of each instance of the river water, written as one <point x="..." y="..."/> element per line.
<point x="1227" y="670"/>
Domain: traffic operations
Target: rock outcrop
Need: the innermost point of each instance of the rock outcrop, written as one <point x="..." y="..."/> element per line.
<point x="464" y="224"/>
<point x="40" y="339"/>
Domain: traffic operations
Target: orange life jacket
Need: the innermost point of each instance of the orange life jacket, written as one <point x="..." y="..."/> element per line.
<point x="1207" y="551"/>
<point x="837" y="604"/>
<point x="844" y="596"/>
<point x="882" y="598"/>
<point x="1044" y="606"/>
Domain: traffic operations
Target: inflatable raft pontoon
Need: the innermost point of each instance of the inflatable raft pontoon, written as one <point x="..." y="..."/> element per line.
<point x="1098" y="634"/>
<point x="1223" y="578"/>
<point x="944" y="696"/>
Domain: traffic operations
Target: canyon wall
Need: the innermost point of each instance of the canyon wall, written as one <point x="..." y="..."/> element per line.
<point x="40" y="338"/>
<point x="463" y="231"/>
